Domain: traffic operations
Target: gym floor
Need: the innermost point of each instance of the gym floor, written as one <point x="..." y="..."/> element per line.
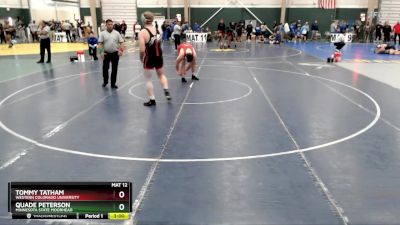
<point x="269" y="135"/>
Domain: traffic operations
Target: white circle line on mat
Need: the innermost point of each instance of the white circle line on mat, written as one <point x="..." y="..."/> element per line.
<point x="249" y="91"/>
<point x="186" y="160"/>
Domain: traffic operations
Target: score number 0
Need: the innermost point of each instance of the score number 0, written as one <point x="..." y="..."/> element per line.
<point x="121" y="194"/>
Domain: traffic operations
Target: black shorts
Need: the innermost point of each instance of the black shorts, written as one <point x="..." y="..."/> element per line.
<point x="150" y="63"/>
<point x="339" y="45"/>
<point x="390" y="47"/>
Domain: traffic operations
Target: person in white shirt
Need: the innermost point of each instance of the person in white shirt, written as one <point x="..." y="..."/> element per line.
<point x="103" y="26"/>
<point x="110" y="48"/>
<point x="136" y="30"/>
<point x="264" y="29"/>
<point x="177" y="34"/>
<point x="20" y="33"/>
<point x="286" y="29"/>
<point x="67" y="28"/>
<point x="33" y="27"/>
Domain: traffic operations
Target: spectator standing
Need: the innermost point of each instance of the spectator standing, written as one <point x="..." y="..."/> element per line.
<point x="103" y="26"/>
<point x="314" y="30"/>
<point x="20" y="30"/>
<point x="343" y="26"/>
<point x="249" y="30"/>
<point x="52" y="26"/>
<point x="378" y="31"/>
<point x="333" y="28"/>
<point x="164" y="30"/>
<point x="92" y="42"/>
<point x="304" y="31"/>
<point x="264" y="29"/>
<point x="239" y="31"/>
<point x="74" y="32"/>
<point x="196" y="27"/>
<point x="387" y="29"/>
<point x="117" y="27"/>
<point x="367" y="32"/>
<point x="136" y="29"/>
<point x="396" y="29"/>
<point x="2" y="37"/>
<point x="67" y="28"/>
<point x="124" y="27"/>
<point x="8" y="31"/>
<point x="177" y="35"/>
<point x="33" y="27"/>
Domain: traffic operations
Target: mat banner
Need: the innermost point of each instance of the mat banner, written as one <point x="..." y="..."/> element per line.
<point x="196" y="37"/>
<point x="348" y="37"/>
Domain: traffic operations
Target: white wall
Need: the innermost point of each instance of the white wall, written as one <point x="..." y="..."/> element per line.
<point x="17" y="3"/>
<point x="46" y="10"/>
<point x="158" y="3"/>
<point x="206" y="3"/>
<point x="252" y="3"/>
<point x="63" y="13"/>
<point x="248" y="3"/>
<point x="14" y="3"/>
<point x="210" y="3"/>
<point x="86" y="4"/>
<point x="339" y="3"/>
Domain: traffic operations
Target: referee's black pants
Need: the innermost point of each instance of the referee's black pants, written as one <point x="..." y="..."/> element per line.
<point x="68" y="34"/>
<point x="45" y="45"/>
<point x="339" y="45"/>
<point x="114" y="59"/>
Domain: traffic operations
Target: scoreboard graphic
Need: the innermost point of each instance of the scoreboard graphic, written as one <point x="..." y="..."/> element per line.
<point x="70" y="200"/>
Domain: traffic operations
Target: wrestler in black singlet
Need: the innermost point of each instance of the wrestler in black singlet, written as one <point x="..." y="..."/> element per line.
<point x="153" y="54"/>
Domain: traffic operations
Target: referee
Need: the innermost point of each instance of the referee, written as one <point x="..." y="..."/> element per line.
<point x="110" y="48"/>
<point x="44" y="38"/>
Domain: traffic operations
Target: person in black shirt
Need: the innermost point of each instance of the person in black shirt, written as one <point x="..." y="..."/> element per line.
<point x="164" y="28"/>
<point x="249" y="30"/>
<point x="79" y="28"/>
<point x="117" y="27"/>
<point x="387" y="29"/>
<point x="8" y="30"/>
<point x="239" y="31"/>
<point x="274" y="26"/>
<point x="314" y="30"/>
<point x="221" y="33"/>
<point x="232" y="25"/>
<point x="2" y="37"/>
<point x="378" y="31"/>
<point x="230" y="36"/>
<point x="124" y="27"/>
